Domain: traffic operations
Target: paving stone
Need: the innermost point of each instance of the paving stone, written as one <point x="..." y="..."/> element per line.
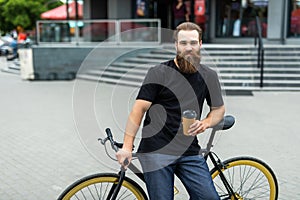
<point x="41" y="152"/>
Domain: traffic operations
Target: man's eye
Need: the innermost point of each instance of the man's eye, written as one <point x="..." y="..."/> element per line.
<point x="192" y="43"/>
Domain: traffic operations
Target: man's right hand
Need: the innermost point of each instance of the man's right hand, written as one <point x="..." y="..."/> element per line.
<point x="123" y="155"/>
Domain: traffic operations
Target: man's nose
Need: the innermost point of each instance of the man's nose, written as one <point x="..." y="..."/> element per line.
<point x="188" y="47"/>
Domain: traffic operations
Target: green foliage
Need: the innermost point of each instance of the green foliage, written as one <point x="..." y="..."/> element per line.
<point x="53" y="4"/>
<point x="4" y="26"/>
<point x="23" y="13"/>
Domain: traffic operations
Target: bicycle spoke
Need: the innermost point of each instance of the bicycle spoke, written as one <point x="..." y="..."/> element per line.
<point x="92" y="195"/>
<point x="100" y="190"/>
<point x="124" y="195"/>
<point x="247" y="180"/>
<point x="258" y="184"/>
<point x="231" y="178"/>
<point x="83" y="194"/>
<point x="98" y="195"/>
<point x="245" y="174"/>
<point x="105" y="191"/>
<point x="77" y="197"/>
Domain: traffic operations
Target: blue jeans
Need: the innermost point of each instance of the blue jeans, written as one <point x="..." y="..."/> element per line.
<point x="193" y="172"/>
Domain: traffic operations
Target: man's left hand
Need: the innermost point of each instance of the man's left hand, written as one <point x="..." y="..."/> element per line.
<point x="199" y="126"/>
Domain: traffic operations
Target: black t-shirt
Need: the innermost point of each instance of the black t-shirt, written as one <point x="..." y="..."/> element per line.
<point x="171" y="92"/>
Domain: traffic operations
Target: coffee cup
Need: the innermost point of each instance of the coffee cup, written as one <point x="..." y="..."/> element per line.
<point x="188" y="118"/>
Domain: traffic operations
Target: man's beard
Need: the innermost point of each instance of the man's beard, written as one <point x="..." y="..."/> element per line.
<point x="188" y="64"/>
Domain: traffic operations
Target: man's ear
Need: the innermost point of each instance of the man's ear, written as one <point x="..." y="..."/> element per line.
<point x="200" y="43"/>
<point x="175" y="45"/>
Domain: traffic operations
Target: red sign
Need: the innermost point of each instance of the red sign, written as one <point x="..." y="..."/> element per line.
<point x="199" y="9"/>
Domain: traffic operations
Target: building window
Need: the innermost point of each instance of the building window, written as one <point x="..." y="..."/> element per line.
<point x="236" y="18"/>
<point x="295" y="18"/>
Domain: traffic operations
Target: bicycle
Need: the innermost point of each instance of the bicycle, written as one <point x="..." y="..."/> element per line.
<point x="237" y="178"/>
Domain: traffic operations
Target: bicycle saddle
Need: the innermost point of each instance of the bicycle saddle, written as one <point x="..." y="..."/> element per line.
<point x="227" y="122"/>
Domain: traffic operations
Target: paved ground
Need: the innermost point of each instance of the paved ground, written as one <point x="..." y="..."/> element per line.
<point x="41" y="151"/>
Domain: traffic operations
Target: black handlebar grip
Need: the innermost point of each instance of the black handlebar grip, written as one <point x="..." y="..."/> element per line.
<point x="125" y="162"/>
<point x="108" y="132"/>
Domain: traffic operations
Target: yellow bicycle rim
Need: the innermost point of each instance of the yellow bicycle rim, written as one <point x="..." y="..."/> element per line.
<point x="92" y="181"/>
<point x="257" y="165"/>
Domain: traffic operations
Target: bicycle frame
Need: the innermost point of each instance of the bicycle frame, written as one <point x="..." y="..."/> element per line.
<point x="207" y="153"/>
<point x="218" y="165"/>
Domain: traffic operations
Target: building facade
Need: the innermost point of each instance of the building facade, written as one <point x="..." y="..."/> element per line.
<point x="223" y="21"/>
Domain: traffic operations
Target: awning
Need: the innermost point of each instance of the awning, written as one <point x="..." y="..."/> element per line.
<point x="60" y="13"/>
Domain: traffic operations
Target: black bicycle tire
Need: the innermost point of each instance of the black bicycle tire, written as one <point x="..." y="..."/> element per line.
<point x="100" y="175"/>
<point x="247" y="158"/>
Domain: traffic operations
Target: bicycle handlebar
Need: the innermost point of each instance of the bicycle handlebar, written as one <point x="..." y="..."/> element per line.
<point x="113" y="145"/>
<point x="227" y="122"/>
<point x="110" y="138"/>
<point x="109" y="134"/>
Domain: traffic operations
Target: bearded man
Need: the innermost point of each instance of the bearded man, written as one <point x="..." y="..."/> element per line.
<point x="169" y="89"/>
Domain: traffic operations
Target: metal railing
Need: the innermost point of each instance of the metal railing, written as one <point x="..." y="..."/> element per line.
<point x="123" y="31"/>
<point x="260" y="50"/>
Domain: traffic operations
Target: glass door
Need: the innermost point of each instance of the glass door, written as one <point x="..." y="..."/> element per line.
<point x="236" y="18"/>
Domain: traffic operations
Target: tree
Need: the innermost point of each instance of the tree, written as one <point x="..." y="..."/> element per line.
<point x="4" y="26"/>
<point x="24" y="13"/>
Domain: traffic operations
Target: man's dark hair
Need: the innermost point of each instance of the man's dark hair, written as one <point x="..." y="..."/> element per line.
<point x="187" y="26"/>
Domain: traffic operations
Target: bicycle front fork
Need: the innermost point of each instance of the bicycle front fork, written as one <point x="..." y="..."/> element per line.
<point x="219" y="165"/>
<point x="114" y="191"/>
